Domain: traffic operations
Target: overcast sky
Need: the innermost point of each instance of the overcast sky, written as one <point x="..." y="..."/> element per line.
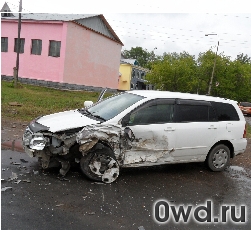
<point x="164" y="27"/>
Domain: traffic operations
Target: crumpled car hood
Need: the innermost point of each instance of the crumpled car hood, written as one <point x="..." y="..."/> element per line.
<point x="65" y="120"/>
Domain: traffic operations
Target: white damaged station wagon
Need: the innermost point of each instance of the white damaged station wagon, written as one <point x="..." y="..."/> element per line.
<point x="139" y="128"/>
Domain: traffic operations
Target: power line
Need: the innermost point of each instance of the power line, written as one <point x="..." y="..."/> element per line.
<point x="152" y="32"/>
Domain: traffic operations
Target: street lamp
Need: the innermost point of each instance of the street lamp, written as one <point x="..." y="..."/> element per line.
<point x="211" y="80"/>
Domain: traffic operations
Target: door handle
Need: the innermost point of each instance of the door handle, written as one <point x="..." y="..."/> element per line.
<point x="212" y="127"/>
<point x="169" y="129"/>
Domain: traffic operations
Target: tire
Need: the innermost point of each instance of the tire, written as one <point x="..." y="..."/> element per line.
<point x="100" y="165"/>
<point x="218" y="158"/>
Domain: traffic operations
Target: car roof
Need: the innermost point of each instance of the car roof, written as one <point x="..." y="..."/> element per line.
<point x="152" y="94"/>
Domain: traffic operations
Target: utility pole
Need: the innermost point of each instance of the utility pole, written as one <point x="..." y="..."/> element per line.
<point x="15" y="72"/>
<point x="212" y="76"/>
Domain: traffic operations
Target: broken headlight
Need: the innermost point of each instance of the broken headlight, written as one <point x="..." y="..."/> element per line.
<point x="38" y="142"/>
<point x="35" y="141"/>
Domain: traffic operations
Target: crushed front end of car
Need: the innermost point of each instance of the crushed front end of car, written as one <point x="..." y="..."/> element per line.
<point x="52" y="149"/>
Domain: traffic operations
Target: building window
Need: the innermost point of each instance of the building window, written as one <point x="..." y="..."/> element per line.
<point x="36" y="46"/>
<point x="4" y="44"/>
<point x="6" y="13"/>
<point x="54" y="49"/>
<point x="133" y="73"/>
<point x="21" y="45"/>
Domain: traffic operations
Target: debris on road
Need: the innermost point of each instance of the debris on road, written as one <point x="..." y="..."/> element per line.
<point x="58" y="205"/>
<point x="13" y="177"/>
<point x="91" y="213"/>
<point x="5" y="188"/>
<point x="24" y="161"/>
<point x="15" y="163"/>
<point x="63" y="179"/>
<point x="35" y="172"/>
<point x="141" y="228"/>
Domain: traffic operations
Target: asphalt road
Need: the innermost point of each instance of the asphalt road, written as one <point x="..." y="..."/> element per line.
<point x="40" y="199"/>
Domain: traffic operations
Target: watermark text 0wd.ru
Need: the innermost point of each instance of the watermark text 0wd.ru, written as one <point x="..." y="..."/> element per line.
<point x="163" y="213"/>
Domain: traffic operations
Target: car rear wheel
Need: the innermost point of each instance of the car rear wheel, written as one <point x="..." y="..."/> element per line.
<point x="218" y="158"/>
<point x="100" y="165"/>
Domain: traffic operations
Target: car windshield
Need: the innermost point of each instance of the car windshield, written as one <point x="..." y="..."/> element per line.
<point x="114" y="105"/>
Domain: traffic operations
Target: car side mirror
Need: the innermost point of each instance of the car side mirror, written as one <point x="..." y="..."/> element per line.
<point x="129" y="134"/>
<point x="88" y="104"/>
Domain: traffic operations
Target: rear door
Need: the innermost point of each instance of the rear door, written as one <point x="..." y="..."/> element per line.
<point x="195" y="127"/>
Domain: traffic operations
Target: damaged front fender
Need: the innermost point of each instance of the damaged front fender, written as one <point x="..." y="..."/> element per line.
<point x="113" y="135"/>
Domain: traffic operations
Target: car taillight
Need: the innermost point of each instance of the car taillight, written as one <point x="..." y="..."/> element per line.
<point x="245" y="131"/>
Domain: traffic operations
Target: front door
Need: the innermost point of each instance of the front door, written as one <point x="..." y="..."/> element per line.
<point x="152" y="127"/>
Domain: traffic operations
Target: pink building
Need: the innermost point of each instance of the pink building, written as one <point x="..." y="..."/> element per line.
<point x="74" y="49"/>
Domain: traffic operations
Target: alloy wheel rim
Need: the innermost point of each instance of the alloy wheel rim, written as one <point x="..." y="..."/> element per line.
<point x="220" y="158"/>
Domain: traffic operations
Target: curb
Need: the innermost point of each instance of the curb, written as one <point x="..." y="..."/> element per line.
<point x="14" y="145"/>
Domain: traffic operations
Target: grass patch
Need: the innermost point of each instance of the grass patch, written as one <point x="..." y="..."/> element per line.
<point x="36" y="101"/>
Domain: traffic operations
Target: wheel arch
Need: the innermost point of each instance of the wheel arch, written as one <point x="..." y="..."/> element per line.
<point x="100" y="144"/>
<point x="224" y="142"/>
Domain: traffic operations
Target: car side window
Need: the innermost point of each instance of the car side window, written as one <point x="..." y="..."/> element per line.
<point x="158" y="111"/>
<point x="225" y="112"/>
<point x="194" y="111"/>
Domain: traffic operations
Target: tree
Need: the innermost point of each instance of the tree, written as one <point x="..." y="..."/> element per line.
<point x="243" y="58"/>
<point x="138" y="53"/>
<point x="232" y="79"/>
<point x="183" y="73"/>
<point x="240" y="75"/>
<point x="205" y="65"/>
<point x="175" y="72"/>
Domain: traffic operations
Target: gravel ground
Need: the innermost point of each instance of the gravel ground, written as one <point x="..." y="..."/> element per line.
<point x="13" y="130"/>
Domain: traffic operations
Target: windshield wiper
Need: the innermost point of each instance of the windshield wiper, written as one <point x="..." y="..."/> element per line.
<point x="97" y="116"/>
<point x="85" y="111"/>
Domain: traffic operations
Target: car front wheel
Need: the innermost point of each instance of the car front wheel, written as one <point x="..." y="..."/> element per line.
<point x="218" y="158"/>
<point x="100" y="165"/>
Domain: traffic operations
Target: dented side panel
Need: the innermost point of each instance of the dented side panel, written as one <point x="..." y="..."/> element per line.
<point x="152" y="144"/>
